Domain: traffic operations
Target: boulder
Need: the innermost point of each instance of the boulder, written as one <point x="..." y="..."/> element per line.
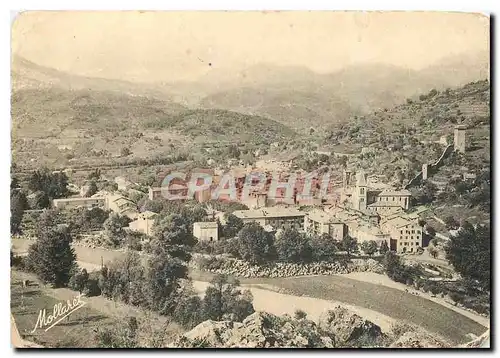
<point x="259" y="330"/>
<point x="348" y="327"/>
<point x="419" y="339"/>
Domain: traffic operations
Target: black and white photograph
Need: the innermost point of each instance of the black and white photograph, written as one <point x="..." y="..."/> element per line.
<point x="250" y="179"/>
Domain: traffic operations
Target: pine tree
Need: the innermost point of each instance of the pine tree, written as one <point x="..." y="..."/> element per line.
<point x="52" y="258"/>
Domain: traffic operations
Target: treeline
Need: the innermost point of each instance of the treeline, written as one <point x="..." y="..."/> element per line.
<point x="252" y="243"/>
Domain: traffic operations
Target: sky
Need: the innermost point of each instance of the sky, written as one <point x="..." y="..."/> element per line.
<point x="170" y="46"/>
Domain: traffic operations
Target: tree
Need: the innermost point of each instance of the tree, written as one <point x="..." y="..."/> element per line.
<point x="18" y="203"/>
<point x="384" y="247"/>
<point x="156" y="206"/>
<point x="222" y="298"/>
<point x="92" y="189"/>
<point x="162" y="282"/>
<point x="54" y="185"/>
<point x="349" y="244"/>
<point x="39" y="200"/>
<point x="189" y="312"/>
<point x="125" y="152"/>
<point x="114" y="228"/>
<point x="79" y="280"/>
<point x="51" y="257"/>
<point x="323" y="247"/>
<point x="426" y="193"/>
<point x="469" y="252"/>
<point x="369" y="247"/>
<point x="299" y="314"/>
<point x="255" y="245"/>
<point x="433" y="251"/>
<point x="172" y="235"/>
<point x="293" y="246"/>
<point x="233" y="225"/>
<point x="451" y="223"/>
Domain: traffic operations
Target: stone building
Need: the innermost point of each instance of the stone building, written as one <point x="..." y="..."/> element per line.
<point x="459" y="138"/>
<point x="144" y="222"/>
<point x="278" y="217"/>
<point x="319" y="222"/>
<point x="406" y="235"/>
<point x="206" y="231"/>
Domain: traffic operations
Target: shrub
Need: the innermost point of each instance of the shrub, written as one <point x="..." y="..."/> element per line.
<point x="299" y="314"/>
<point x="92" y="288"/>
<point x="457" y="297"/>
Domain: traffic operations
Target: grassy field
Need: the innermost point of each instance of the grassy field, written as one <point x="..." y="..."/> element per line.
<point x="79" y="331"/>
<point x="26" y="304"/>
<point x="388" y="301"/>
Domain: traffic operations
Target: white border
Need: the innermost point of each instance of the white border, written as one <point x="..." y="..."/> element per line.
<point x="478" y="6"/>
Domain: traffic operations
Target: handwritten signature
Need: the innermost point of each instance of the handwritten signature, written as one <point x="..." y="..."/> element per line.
<point x="59" y="312"/>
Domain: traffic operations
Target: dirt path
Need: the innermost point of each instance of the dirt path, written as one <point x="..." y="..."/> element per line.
<point x="388" y="301"/>
<point x="280" y="304"/>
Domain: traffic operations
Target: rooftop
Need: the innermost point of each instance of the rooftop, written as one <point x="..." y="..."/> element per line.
<point x="321" y="216"/>
<point x="147" y="214"/>
<point x="207" y="224"/>
<point x="78" y="199"/>
<point x="403" y="192"/>
<point x="384" y="204"/>
<point x="268" y="212"/>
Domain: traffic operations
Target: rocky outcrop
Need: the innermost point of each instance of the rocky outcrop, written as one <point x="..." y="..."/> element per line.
<point x="240" y="268"/>
<point x="406" y="335"/>
<point x="259" y="330"/>
<point x="350" y="329"/>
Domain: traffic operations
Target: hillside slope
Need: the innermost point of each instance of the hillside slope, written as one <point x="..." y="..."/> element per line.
<point x="301" y="98"/>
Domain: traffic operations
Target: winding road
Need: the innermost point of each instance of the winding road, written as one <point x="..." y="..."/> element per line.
<point x="388" y="301"/>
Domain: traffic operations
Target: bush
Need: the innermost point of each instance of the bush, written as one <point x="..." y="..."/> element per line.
<point x="92" y="288"/>
<point x="189" y="312"/>
<point x="457" y="297"/>
<point x="299" y="314"/>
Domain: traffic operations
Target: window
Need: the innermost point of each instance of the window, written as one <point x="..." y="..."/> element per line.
<point x="362" y="190"/>
<point x="413" y="231"/>
<point x="362" y="199"/>
<point x="401" y="231"/>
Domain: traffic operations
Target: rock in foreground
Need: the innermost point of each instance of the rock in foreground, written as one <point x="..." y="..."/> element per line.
<point x="259" y="330"/>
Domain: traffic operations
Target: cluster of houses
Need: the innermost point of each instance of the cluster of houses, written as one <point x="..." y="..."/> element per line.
<point x="362" y="210"/>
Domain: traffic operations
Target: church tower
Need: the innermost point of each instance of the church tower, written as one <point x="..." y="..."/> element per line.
<point x="360" y="194"/>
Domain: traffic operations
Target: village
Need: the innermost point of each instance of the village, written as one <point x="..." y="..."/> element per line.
<point x="359" y="206"/>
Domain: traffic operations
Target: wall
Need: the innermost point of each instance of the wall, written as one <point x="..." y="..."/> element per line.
<point x="432" y="168"/>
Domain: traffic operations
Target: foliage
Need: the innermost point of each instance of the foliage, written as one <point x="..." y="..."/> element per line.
<point x="224" y="299"/>
<point x="369" y="247"/>
<point x="54" y="185"/>
<point x="18" y="203"/>
<point x="323" y="247"/>
<point x="92" y="189"/>
<point x="114" y="228"/>
<point x="255" y="245"/>
<point x="233" y="225"/>
<point x="85" y="220"/>
<point x="189" y="312"/>
<point x="451" y="223"/>
<point x="299" y="314"/>
<point x="349" y="244"/>
<point x="396" y="270"/>
<point x="78" y="280"/>
<point x="384" y="247"/>
<point x="293" y="246"/>
<point x="469" y="253"/>
<point x="51" y="257"/>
